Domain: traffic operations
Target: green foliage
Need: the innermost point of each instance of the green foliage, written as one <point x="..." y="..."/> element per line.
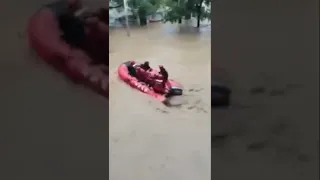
<point x="140" y="7"/>
<point x="206" y="13"/>
<point x="184" y="9"/>
<point x="115" y="4"/>
<point x="176" y="9"/>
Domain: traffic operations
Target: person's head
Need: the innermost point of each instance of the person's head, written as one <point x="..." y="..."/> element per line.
<point x="146" y="63"/>
<point x="161" y="67"/>
<point x="132" y="63"/>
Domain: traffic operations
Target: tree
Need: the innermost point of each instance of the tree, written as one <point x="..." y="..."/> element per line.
<point x="115" y="4"/>
<point x="185" y="9"/>
<point x="201" y="11"/>
<point x="176" y="10"/>
<point x="140" y="8"/>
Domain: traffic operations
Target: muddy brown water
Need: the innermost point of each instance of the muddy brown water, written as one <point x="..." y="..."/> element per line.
<point x="148" y="139"/>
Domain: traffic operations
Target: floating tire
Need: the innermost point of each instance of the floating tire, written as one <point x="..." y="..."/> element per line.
<point x="220" y="96"/>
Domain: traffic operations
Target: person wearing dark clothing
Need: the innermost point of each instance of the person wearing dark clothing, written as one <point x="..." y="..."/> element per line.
<point x="145" y="66"/>
<point x="164" y="74"/>
<point x="132" y="71"/>
<point x="72" y="27"/>
<point x="73" y="31"/>
<point x="84" y="30"/>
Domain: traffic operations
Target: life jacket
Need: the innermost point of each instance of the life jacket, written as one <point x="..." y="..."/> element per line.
<point x="159" y="86"/>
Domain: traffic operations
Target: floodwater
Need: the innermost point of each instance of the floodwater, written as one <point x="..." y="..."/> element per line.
<point x="147" y="139"/>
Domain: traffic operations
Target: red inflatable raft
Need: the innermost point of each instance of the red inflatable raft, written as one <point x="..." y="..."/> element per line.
<point x="44" y="37"/>
<point x="172" y="88"/>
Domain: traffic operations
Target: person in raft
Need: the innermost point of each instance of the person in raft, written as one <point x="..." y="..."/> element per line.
<point x="65" y="12"/>
<point x="145" y="66"/>
<point x="164" y="73"/>
<point x="132" y="71"/>
<point x="68" y="13"/>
